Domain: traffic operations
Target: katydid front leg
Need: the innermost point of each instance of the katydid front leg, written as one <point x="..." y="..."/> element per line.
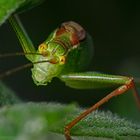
<point x="23" y="37"/>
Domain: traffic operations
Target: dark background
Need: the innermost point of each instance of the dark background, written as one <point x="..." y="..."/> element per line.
<point x="115" y="28"/>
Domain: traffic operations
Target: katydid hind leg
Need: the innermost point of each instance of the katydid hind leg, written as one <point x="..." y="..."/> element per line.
<point x="129" y="84"/>
<point x="95" y="80"/>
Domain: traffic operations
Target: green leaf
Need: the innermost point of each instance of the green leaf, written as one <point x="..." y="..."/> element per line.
<point x="7" y="96"/>
<point x="7" y="7"/>
<point x="41" y="121"/>
<point x="28" y="4"/>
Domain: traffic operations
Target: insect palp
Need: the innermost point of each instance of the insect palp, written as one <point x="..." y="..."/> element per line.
<point x="14" y="70"/>
<point x="54" y="60"/>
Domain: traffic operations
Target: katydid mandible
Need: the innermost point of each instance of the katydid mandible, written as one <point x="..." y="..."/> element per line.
<point x="66" y="54"/>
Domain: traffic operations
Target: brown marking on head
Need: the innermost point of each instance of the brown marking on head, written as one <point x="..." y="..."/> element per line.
<point x="60" y="31"/>
<point x="74" y="27"/>
<point x="74" y="39"/>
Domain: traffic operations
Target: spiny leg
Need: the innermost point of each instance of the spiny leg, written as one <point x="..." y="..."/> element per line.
<point x="122" y="89"/>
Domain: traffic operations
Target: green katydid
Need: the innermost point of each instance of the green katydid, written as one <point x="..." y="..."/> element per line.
<point x="66" y="54"/>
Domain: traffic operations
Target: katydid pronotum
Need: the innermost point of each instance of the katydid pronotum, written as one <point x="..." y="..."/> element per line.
<point x="66" y="54"/>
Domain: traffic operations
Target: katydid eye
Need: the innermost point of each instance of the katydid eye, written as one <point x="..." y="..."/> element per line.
<point x="42" y="47"/>
<point x="62" y="59"/>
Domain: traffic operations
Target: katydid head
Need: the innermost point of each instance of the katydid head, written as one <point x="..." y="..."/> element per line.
<point x="66" y="50"/>
<point x="54" y="55"/>
<point x="55" y="51"/>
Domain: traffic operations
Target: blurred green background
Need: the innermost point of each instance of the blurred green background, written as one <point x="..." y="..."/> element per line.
<point x="115" y="28"/>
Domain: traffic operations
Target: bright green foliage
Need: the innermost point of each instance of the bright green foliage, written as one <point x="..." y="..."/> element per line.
<point x="28" y="4"/>
<point x="7" y="7"/>
<point x="39" y="121"/>
<point x="36" y="121"/>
